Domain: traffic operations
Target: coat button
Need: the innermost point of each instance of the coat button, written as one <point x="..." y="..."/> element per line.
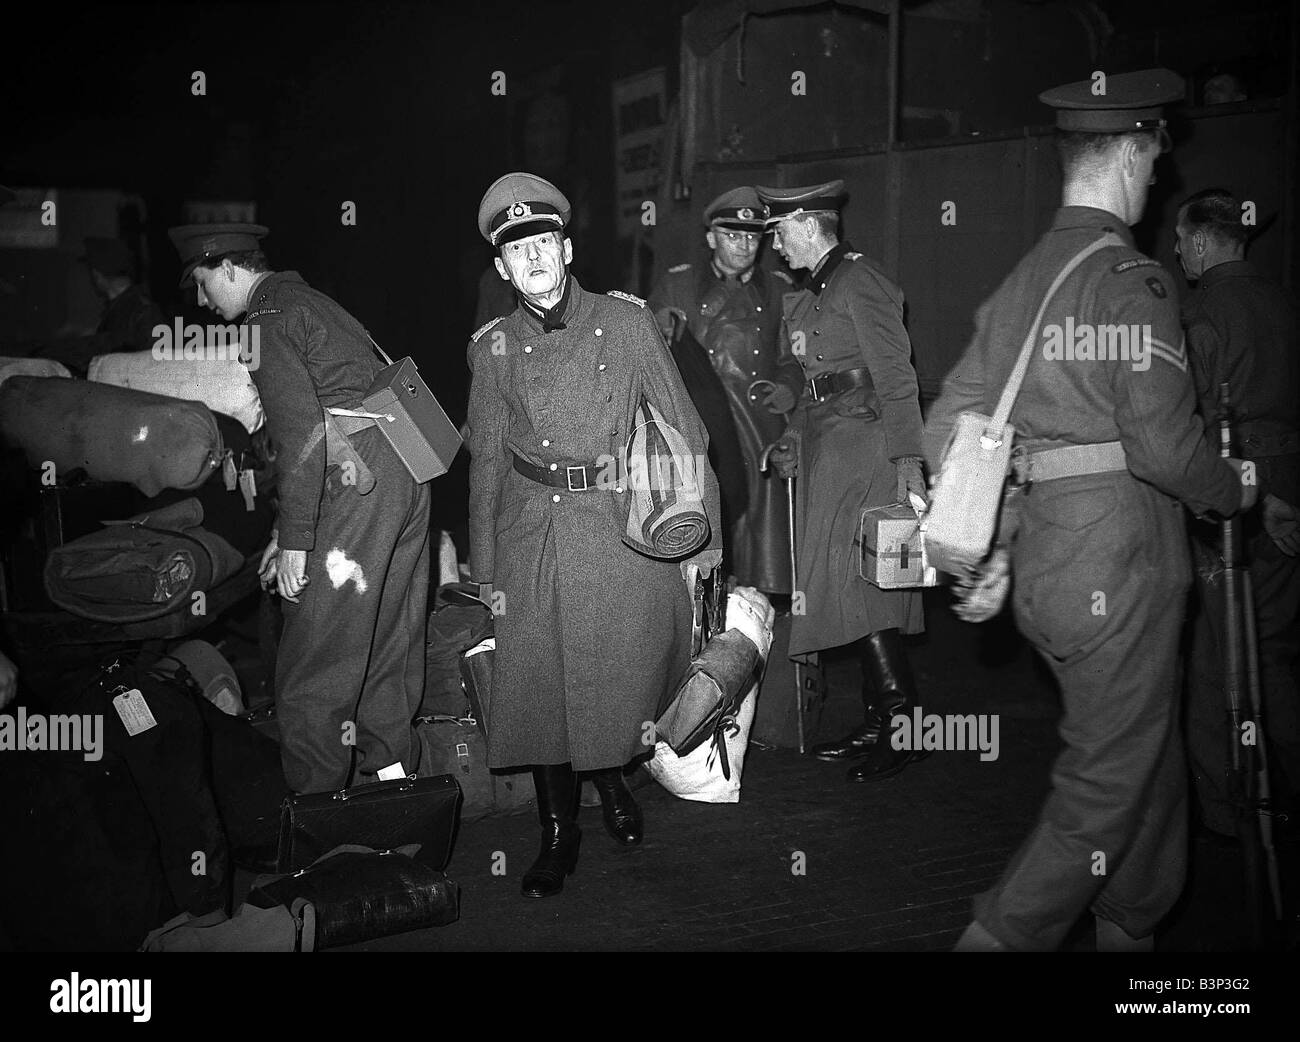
<point x="555" y="466"/>
<point x="819" y="358"/>
<point x="528" y="350"/>
<point x="602" y="367"/>
<point x="546" y="442"/>
<point x="817" y="307"/>
<point x="755" y="350"/>
<point x="817" y="332"/>
<point x="759" y="308"/>
<point x="598" y="331"/>
<point x="619" y="490"/>
<point x="555" y="498"/>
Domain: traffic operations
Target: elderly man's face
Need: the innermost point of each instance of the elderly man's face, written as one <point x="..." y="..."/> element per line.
<point x="733" y="250"/>
<point x="793" y="240"/>
<point x="535" y="265"/>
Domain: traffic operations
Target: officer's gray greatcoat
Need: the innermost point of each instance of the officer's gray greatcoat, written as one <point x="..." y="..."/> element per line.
<point x="850" y="316"/>
<point x="593" y="636"/>
<point x="737" y="321"/>
<point x="1101" y="573"/>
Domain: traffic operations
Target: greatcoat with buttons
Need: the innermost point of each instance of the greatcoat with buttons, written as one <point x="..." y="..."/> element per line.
<point x="848" y="316"/>
<point x="738" y="321"/>
<point x="592" y="636"/>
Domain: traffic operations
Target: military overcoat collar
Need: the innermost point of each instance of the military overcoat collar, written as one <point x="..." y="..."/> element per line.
<point x="820" y="277"/>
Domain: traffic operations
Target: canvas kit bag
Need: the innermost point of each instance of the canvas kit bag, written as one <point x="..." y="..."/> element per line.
<point x="963" y="515"/>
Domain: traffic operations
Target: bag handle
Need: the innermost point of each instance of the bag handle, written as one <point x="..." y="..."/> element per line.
<point x="382" y="354"/>
<point x="1008" y="399"/>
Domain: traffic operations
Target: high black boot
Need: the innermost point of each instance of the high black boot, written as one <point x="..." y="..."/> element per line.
<point x="858" y="742"/>
<point x="618" y="808"/>
<point x="885" y="665"/>
<point x="557" y="805"/>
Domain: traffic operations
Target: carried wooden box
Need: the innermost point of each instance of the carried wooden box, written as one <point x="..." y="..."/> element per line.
<point x="420" y="432"/>
<point x="892" y="557"/>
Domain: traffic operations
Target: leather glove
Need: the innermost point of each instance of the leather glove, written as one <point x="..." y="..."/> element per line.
<point x="1282" y="524"/>
<point x="780" y="399"/>
<point x="784" y="455"/>
<point x="982" y="594"/>
<point x="705" y="560"/>
<point x="910" y="478"/>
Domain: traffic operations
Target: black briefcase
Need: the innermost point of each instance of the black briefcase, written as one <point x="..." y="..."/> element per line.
<point x="383" y="816"/>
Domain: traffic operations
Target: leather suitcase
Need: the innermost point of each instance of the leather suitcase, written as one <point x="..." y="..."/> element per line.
<point x="383" y="815"/>
<point x="419" y="432"/>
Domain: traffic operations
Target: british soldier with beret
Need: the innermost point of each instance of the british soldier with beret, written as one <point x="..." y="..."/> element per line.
<point x="592" y="635"/>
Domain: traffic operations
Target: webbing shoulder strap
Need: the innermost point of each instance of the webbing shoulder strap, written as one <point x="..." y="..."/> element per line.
<point x="1008" y="399"/>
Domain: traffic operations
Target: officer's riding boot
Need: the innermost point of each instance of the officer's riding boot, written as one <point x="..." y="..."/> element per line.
<point x="620" y="811"/>
<point x="885" y="666"/>
<point x="858" y="742"/>
<point x="557" y="806"/>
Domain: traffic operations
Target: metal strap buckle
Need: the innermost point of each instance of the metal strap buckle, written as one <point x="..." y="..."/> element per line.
<point x="583" y="472"/>
<point x="817" y="395"/>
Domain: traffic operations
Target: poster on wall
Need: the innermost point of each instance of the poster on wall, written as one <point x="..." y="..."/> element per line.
<point x="640" y="109"/>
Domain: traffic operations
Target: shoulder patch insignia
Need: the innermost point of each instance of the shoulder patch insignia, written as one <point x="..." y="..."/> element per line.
<point x="260" y="312"/>
<point x="783" y="277"/>
<point x="484" y="328"/>
<point x="851" y="255"/>
<point x="1156" y="287"/>
<point x="626" y="296"/>
<point x="678" y="268"/>
<point x="1134" y="262"/>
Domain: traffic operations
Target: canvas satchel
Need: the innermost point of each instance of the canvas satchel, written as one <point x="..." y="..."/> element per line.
<point x="963" y="516"/>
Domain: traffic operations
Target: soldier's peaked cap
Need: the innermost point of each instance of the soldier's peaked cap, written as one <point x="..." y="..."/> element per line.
<point x="739" y="208"/>
<point x="1116" y="104"/>
<point x="780" y="203"/>
<point x="200" y="242"/>
<point x="518" y="205"/>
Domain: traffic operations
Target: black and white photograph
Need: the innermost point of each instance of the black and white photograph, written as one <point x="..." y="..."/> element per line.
<point x="656" y="476"/>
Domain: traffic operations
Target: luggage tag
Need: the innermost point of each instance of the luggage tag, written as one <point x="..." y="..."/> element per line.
<point x="228" y="474"/>
<point x="134" y="711"/>
<point x="248" y="486"/>
<point x="393" y="772"/>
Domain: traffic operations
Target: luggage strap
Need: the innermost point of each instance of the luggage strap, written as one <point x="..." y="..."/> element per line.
<point x="1072" y="461"/>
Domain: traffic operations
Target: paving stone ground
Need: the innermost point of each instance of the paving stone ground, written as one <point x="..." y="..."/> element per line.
<point x="891" y="866"/>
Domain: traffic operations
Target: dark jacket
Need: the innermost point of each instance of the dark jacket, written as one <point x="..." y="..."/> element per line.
<point x="312" y="355"/>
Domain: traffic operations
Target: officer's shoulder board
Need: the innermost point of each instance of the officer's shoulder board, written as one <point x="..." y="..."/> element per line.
<point x="484" y="328"/>
<point x="852" y="255"/>
<point x="627" y="296"/>
<point x="677" y="269"/>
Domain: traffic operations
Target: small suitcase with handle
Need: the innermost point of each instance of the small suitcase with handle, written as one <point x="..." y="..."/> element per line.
<point x="382" y="815"/>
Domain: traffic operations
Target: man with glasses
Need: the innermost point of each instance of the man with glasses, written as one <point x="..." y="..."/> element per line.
<point x="731" y="308"/>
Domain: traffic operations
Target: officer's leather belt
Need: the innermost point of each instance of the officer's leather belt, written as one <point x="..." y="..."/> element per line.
<point x="824" y="385"/>
<point x="1255" y="446"/>
<point x="1072" y="461"/>
<point x="581" y="477"/>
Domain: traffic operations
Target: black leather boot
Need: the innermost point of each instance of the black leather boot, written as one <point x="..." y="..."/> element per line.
<point x="618" y="808"/>
<point x="884" y="662"/>
<point x="557" y="805"/>
<point x="858" y="742"/>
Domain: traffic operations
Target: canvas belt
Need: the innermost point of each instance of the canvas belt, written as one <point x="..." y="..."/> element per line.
<point x="1072" y="461"/>
<point x="579" y="477"/>
<point x="824" y="385"/>
<point x="1254" y="446"/>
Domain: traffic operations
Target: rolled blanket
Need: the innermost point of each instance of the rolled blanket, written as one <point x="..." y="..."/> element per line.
<point x="666" y="518"/>
<point x="113" y="433"/>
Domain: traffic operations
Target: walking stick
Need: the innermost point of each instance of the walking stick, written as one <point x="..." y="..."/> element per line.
<point x="794" y="589"/>
<point x="1248" y="777"/>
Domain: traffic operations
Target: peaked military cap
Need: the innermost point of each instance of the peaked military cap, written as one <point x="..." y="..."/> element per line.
<point x="518" y="205"/>
<point x="200" y="242"/>
<point x="1127" y="102"/>
<point x="739" y="208"/>
<point x="780" y="203"/>
<point x="109" y="256"/>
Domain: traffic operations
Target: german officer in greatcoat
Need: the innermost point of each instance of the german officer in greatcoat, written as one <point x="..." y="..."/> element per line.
<point x="592" y="636"/>
<point x="854" y="442"/>
<point x="732" y="308"/>
<point x="350" y="550"/>
<point x="1110" y="443"/>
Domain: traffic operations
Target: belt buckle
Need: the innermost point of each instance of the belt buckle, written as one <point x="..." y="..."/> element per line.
<point x="581" y="470"/>
<point x="812" y="386"/>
